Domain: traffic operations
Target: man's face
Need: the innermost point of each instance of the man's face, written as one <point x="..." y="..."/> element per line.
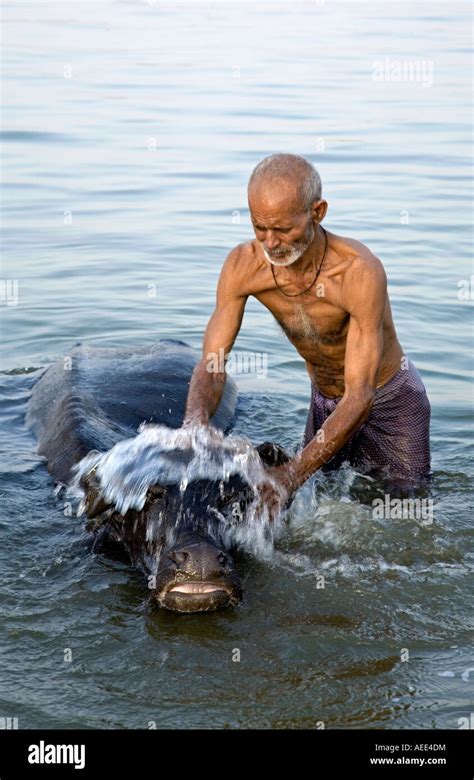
<point x="283" y="232"/>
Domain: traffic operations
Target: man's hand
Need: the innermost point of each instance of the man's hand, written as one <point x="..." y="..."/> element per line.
<point x="192" y="420"/>
<point x="274" y="493"/>
<point x="207" y="433"/>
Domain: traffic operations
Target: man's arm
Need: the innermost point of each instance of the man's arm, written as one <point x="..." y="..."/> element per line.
<point x="364" y="295"/>
<point x="208" y="379"/>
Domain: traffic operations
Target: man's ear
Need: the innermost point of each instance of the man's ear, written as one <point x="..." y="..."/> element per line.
<point x="272" y="454"/>
<point x="319" y="209"/>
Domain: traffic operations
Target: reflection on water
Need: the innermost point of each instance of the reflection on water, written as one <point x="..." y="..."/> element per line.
<point x="129" y="133"/>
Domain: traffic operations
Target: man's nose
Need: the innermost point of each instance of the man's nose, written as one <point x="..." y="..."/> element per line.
<point x="271" y="241"/>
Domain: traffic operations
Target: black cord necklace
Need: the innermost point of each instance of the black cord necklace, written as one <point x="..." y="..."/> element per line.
<point x="293" y="295"/>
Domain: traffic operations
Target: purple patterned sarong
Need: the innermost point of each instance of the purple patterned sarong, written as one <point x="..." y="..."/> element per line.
<point x="394" y="440"/>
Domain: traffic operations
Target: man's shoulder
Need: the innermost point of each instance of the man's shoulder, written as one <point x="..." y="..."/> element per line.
<point x="357" y="260"/>
<point x="241" y="264"/>
<point x="361" y="273"/>
<point x="244" y="252"/>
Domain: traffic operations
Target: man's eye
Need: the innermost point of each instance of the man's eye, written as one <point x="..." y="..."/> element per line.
<point x="277" y="230"/>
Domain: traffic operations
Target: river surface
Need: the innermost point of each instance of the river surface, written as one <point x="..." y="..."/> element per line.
<point x="129" y="132"/>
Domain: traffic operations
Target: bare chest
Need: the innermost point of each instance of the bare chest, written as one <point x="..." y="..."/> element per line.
<point x="309" y="322"/>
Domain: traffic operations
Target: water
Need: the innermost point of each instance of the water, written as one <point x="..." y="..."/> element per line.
<point x="130" y="131"/>
<point x="158" y="455"/>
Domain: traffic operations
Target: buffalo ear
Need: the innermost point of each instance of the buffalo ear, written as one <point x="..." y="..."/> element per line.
<point x="94" y="502"/>
<point x="272" y="454"/>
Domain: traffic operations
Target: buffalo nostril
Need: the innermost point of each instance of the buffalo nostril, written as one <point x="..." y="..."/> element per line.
<point x="178" y="556"/>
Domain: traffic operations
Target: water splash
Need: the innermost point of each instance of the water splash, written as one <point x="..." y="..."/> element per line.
<point x="159" y="455"/>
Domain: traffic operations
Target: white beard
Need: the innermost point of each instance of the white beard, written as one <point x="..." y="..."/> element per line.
<point x="292" y="255"/>
<point x="291" y="258"/>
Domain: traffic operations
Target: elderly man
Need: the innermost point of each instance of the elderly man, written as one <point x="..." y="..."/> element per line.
<point x="329" y="295"/>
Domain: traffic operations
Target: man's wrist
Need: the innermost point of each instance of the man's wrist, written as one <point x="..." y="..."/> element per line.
<point x="195" y="418"/>
<point x="293" y="474"/>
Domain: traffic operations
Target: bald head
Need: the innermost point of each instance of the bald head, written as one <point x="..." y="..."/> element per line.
<point x="287" y="176"/>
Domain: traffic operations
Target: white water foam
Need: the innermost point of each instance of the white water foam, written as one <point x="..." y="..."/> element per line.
<point x="159" y="455"/>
